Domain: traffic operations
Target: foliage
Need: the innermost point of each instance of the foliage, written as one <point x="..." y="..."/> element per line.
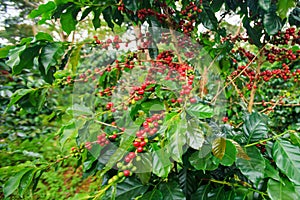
<point x="165" y="111"/>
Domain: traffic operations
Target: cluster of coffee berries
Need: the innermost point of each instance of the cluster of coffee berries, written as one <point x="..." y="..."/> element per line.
<point x="102" y="140"/>
<point x="277" y="54"/>
<point x="286" y="36"/>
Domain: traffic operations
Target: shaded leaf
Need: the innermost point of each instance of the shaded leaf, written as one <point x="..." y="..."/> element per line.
<point x="201" y="193"/>
<point x="294" y="17"/>
<point x="129" y="189"/>
<point x="48" y="56"/>
<point x="264" y="4"/>
<point x="96" y="19"/>
<point x="272" y="23"/>
<point x="171" y="191"/>
<point x="270" y="171"/>
<point x="107" y="17"/>
<point x="153" y="195"/>
<point x="287" y="158"/>
<point x="187" y="181"/>
<point x="17" y="96"/>
<point x="218" y="147"/>
<point x="253" y="169"/>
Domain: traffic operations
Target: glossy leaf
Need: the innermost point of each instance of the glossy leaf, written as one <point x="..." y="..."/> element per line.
<point x="283" y="7"/>
<point x="194" y="134"/>
<point x="218" y="147"/>
<point x="272" y="23"/>
<point x="187" y="181"/>
<point x="43" y="36"/>
<point x="208" y="17"/>
<point x="13" y="182"/>
<point x="287" y="158"/>
<point x="129" y="189"/>
<point x="255" y="127"/>
<point x="270" y="171"/>
<point x="253" y="169"/>
<point x="49" y="55"/>
<point x="230" y="154"/>
<point x="26" y="181"/>
<point x="161" y="163"/>
<point x="14" y="56"/>
<point x="294" y="17"/>
<point x="205" y="163"/>
<point x="153" y="195"/>
<point x="200" y="111"/>
<point x="281" y="190"/>
<point x="171" y="191"/>
<point x="177" y="139"/>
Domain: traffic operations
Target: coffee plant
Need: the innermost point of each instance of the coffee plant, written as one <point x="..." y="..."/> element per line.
<point x="180" y="105"/>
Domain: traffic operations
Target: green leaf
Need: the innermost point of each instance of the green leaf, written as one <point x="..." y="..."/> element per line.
<point x="14" y="56"/>
<point x="23" y="58"/>
<point x="96" y="19"/>
<point x="272" y="23"/>
<point x="278" y="190"/>
<point x="255" y="127"/>
<point x="43" y="36"/>
<point x="144" y="177"/>
<point x="131" y="5"/>
<point x="194" y="134"/>
<point x="74" y="58"/>
<point x="264" y="4"/>
<point x="153" y="195"/>
<point x="187" y="181"/>
<point x="254" y="168"/>
<point x="177" y="139"/>
<point x="200" y="111"/>
<point x="240" y="151"/>
<point x="118" y="17"/>
<point x="48" y="56"/>
<point x="26" y="181"/>
<point x="208" y="17"/>
<point x="130" y="188"/>
<point x="218" y="147"/>
<point x="294" y="18"/>
<point x="230" y="154"/>
<point x="287" y="158"/>
<point x="295" y="138"/>
<point x="44" y="8"/>
<point x="107" y="17"/>
<point x="171" y="191"/>
<point x="201" y="193"/>
<point x="68" y="19"/>
<point x="5" y="51"/>
<point x="270" y="171"/>
<point x="13" y="182"/>
<point x="202" y="163"/>
<point x="253" y="33"/>
<point x="161" y="163"/>
<point x="17" y="96"/>
<point x="283" y="7"/>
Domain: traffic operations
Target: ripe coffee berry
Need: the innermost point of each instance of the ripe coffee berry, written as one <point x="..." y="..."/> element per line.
<point x="126" y="173"/>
